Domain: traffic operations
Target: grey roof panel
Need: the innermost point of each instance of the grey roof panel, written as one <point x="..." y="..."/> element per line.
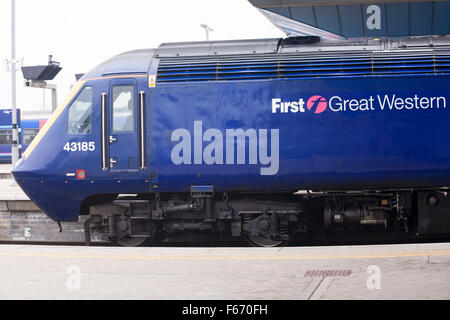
<point x="422" y="13"/>
<point x="290" y="3"/>
<point x="305" y="14"/>
<point x="206" y="48"/>
<point x="352" y="21"/>
<point x="398" y="18"/>
<point x="441" y="23"/>
<point x="332" y="19"/>
<point x="328" y="18"/>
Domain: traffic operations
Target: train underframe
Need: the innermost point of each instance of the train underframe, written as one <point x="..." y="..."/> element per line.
<point x="269" y="220"/>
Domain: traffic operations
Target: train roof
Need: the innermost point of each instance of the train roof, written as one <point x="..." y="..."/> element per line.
<point x="138" y="61"/>
<point x="338" y="24"/>
<point x="131" y="62"/>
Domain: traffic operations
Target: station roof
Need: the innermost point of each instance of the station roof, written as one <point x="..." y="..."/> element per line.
<point x="337" y="19"/>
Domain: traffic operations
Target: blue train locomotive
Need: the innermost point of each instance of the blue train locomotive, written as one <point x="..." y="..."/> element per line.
<point x="261" y="139"/>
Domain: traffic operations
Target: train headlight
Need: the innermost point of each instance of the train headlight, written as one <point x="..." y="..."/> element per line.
<point x="81" y="174"/>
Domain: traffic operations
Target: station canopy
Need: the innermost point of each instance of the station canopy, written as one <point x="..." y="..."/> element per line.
<point x="357" y="18"/>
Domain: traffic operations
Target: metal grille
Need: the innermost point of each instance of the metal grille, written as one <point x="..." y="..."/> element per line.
<point x="304" y="66"/>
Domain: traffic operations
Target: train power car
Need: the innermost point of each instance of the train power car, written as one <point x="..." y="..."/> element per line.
<point x="260" y="139"/>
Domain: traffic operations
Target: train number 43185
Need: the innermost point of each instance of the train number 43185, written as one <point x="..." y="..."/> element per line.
<point x="79" y="146"/>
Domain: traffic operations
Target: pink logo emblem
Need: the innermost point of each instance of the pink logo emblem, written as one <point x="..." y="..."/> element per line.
<point x="317" y="103"/>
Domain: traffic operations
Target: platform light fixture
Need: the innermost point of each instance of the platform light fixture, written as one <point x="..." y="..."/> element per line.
<point x="208" y="29"/>
<point x="37" y="77"/>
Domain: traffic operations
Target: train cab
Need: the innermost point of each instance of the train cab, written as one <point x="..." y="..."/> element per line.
<point x="93" y="144"/>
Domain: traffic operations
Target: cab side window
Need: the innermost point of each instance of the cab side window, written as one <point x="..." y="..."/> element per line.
<point x="80" y="113"/>
<point x="5" y="136"/>
<point x="123" y="108"/>
<point x="29" y="134"/>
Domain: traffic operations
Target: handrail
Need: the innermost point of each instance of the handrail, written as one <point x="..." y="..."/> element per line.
<point x="104" y="160"/>
<point x="142" y="128"/>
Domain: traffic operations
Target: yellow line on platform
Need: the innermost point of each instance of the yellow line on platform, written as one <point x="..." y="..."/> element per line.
<point x="147" y="257"/>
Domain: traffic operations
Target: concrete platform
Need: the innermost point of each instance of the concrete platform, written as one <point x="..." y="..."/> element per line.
<point x="5" y="167"/>
<point x="410" y="271"/>
<point x="9" y="189"/>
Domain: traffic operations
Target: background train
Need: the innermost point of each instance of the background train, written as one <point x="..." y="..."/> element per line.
<point x="29" y="125"/>
<point x="261" y="139"/>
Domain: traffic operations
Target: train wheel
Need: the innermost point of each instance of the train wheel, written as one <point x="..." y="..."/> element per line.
<point x="260" y="241"/>
<point x="130" y="242"/>
<point x="258" y="233"/>
<point x="123" y="228"/>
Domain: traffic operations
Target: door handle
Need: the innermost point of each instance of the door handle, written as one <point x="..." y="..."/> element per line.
<point x="112" y="162"/>
<point x="112" y="139"/>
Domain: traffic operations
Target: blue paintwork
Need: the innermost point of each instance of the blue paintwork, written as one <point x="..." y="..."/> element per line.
<point x="328" y="151"/>
<point x="30" y="124"/>
<point x="332" y="150"/>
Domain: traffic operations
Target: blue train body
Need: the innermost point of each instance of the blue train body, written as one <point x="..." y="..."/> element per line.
<point x="333" y="150"/>
<point x="240" y="123"/>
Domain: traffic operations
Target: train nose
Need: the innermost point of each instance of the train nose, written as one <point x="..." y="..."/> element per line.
<point x="28" y="168"/>
<point x="28" y="177"/>
<point x="16" y="169"/>
<point x="23" y="174"/>
<point x="19" y="170"/>
<point x="47" y="192"/>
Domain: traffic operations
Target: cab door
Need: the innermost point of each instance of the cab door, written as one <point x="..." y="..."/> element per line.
<point x="123" y="138"/>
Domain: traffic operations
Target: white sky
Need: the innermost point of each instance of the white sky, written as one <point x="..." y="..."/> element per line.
<point x="81" y="34"/>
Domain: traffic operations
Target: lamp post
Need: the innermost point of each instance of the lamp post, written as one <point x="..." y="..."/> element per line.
<point x="207" y="30"/>
<point x="15" y="134"/>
